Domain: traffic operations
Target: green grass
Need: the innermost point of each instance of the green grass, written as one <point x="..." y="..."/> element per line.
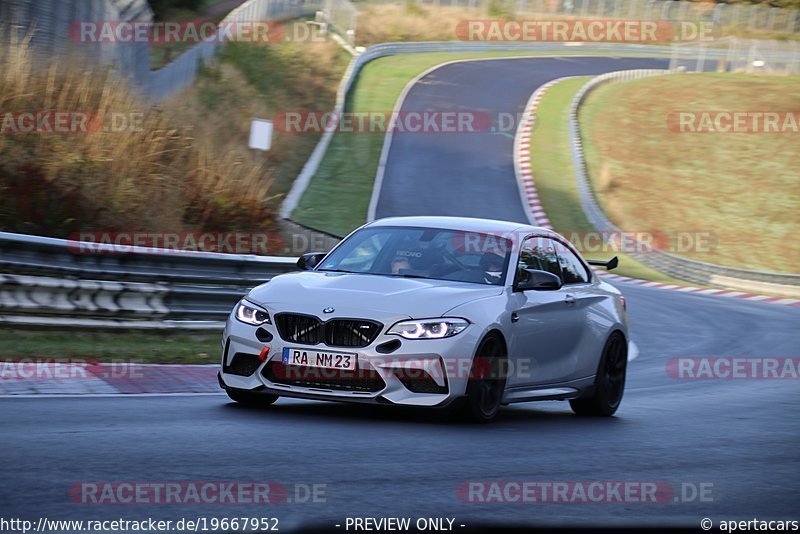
<point x="553" y="172"/>
<point x="337" y="199"/>
<point x="247" y="81"/>
<point x="742" y="190"/>
<point x="127" y="346"/>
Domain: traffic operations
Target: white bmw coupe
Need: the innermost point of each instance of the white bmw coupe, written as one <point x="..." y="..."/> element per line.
<point x="434" y="311"/>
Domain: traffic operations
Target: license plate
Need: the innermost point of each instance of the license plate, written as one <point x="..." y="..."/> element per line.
<point x="319" y="358"/>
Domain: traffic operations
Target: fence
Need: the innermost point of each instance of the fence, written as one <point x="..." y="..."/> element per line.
<point x="51" y="25"/>
<point x="343" y="19"/>
<point x="740" y="55"/>
<point x="51" y="21"/>
<point x="726" y="16"/>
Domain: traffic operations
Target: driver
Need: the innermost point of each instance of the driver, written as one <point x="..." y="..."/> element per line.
<point x="400" y="263"/>
<point x="492" y="265"/>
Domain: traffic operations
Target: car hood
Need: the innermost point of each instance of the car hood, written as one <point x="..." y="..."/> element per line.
<point x="367" y="296"/>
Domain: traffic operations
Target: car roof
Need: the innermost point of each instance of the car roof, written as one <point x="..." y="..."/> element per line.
<point x="467" y="224"/>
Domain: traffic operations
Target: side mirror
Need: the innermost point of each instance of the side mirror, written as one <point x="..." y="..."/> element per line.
<point x="537" y="281"/>
<point x="610" y="264"/>
<point x="308" y="261"/>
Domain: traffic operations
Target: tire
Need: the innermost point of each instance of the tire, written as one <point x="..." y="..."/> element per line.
<point x="249" y="398"/>
<point x="487" y="381"/>
<point x="609" y="384"/>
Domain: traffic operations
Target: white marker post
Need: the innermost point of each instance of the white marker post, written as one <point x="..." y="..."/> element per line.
<point x="261" y="134"/>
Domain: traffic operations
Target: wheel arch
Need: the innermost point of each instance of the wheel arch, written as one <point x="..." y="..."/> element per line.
<point x="492" y="331"/>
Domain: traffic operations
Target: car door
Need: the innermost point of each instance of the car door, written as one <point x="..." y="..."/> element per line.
<point x="579" y="291"/>
<point x="545" y="325"/>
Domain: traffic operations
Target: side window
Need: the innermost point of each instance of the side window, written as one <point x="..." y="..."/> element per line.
<point x="573" y="271"/>
<point x="539" y="253"/>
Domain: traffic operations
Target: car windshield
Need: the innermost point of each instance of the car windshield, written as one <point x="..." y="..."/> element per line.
<point x="423" y="253"/>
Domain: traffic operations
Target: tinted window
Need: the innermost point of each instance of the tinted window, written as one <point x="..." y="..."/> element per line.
<point x="539" y="253"/>
<point x="572" y="270"/>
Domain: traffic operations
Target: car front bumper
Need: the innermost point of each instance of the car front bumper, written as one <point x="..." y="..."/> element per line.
<point x="429" y="372"/>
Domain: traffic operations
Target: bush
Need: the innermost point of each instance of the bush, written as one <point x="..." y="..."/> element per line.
<point x="159" y="176"/>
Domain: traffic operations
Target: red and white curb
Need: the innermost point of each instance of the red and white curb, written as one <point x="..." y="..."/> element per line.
<point x="700" y="290"/>
<point x="522" y="158"/>
<point x="538" y="217"/>
<point x="30" y="376"/>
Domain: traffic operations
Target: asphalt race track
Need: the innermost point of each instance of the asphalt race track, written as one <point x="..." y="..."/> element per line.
<point x="739" y="437"/>
<point x="473" y="174"/>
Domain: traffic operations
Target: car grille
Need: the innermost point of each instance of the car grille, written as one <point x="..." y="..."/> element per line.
<point x="363" y="380"/>
<point x="309" y="330"/>
<point x="300" y="328"/>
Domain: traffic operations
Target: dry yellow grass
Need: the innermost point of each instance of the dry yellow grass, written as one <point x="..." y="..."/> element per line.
<point x="254" y="81"/>
<point x="186" y="167"/>
<point x="156" y="176"/>
<point x="384" y="23"/>
<point x="740" y="192"/>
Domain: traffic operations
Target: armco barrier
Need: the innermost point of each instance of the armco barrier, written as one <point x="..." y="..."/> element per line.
<point x="45" y="281"/>
<point x="694" y="271"/>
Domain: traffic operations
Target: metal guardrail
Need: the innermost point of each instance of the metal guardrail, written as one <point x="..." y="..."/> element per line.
<point x="46" y="281"/>
<point x="694" y="271"/>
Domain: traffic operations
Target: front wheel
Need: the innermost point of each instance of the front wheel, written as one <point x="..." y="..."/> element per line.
<point x="487" y="381"/>
<point x="249" y="398"/>
<point x="609" y="383"/>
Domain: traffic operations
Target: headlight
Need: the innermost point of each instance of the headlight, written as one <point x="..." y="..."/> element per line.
<point x="249" y="313"/>
<point x="429" y="328"/>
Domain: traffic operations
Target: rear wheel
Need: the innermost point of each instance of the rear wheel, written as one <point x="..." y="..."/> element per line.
<point x="487" y="381"/>
<point x="609" y="384"/>
<point x="249" y="398"/>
